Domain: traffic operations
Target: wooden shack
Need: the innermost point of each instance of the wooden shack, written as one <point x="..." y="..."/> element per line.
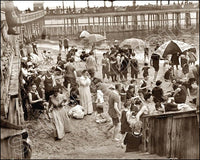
<point x="11" y="108"/>
<point x="173" y="134"/>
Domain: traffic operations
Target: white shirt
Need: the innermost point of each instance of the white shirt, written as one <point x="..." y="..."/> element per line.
<point x="100" y="98"/>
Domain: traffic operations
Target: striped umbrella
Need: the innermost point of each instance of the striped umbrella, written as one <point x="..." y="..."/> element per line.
<point x="172" y="47"/>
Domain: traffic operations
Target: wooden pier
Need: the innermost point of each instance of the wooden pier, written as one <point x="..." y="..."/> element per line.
<point x="180" y="19"/>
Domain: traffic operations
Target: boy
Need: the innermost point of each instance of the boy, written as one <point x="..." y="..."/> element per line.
<point x="145" y="70"/>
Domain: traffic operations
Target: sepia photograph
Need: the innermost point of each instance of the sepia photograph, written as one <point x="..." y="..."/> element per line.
<point x="104" y="79"/>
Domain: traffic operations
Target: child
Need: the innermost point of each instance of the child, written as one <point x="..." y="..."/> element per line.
<point x="130" y="92"/>
<point x="100" y="117"/>
<point x="125" y="127"/>
<point x="74" y="96"/>
<point x="133" y="141"/>
<point x="145" y="70"/>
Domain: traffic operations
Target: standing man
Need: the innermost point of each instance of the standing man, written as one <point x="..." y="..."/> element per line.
<point x="66" y="45"/>
<point x="114" y="110"/>
<point x="155" y="59"/>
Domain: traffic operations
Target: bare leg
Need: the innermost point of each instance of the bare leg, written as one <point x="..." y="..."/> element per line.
<point x="155" y="76"/>
<point x="116" y="131"/>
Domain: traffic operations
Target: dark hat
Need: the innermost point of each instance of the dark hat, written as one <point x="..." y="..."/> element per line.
<point x="158" y="83"/>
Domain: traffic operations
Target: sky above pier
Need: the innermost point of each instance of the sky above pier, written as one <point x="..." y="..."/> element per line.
<point x="23" y="5"/>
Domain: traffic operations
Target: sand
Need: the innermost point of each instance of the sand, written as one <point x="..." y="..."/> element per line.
<point x="87" y="139"/>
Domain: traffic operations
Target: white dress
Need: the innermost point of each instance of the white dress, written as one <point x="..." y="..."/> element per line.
<point x="85" y="95"/>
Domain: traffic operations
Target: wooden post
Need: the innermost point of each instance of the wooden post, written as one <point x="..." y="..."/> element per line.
<point x="178" y="20"/>
<point x="173" y="20"/>
<point x="197" y="20"/>
<point x="148" y="22"/>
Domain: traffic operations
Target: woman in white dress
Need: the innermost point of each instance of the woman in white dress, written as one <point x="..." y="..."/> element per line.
<point x="85" y="94"/>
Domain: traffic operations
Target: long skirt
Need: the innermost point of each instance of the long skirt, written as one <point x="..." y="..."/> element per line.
<point x="61" y="122"/>
<point x="86" y="99"/>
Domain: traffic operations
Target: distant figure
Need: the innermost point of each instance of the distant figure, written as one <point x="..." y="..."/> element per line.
<point x="155" y="59"/>
<point x="66" y="45"/>
<point x="105" y="66"/>
<point x="134" y="67"/>
<point x="91" y="63"/>
<point x="175" y="60"/>
<point x="145" y="70"/>
<point x="60" y="44"/>
<point x="146" y="54"/>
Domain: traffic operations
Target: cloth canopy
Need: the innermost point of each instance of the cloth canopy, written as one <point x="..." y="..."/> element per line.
<point x="172" y="47"/>
<point x="133" y="43"/>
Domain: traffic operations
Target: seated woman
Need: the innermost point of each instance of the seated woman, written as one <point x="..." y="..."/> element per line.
<point x="34" y="98"/>
<point x="59" y="114"/>
<point x="158" y="94"/>
<point x="143" y="88"/>
<point x="180" y="94"/>
<point x="168" y="76"/>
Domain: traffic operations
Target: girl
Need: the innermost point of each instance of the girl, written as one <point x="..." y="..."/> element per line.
<point x="125" y="127"/>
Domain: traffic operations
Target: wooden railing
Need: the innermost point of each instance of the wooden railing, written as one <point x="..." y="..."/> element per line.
<point x="174" y="135"/>
<point x="29" y="17"/>
<point x="120" y="13"/>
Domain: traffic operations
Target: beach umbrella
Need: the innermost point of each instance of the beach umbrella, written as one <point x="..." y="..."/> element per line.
<point x="133" y="43"/>
<point x="84" y="34"/>
<point x="172" y="47"/>
<point x="93" y="38"/>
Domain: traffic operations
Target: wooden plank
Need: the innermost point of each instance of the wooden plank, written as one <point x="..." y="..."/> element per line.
<point x="170" y="114"/>
<point x="11" y="111"/>
<point x="168" y="136"/>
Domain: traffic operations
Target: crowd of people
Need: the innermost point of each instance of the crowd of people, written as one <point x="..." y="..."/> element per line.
<point x="90" y="10"/>
<point x="63" y="92"/>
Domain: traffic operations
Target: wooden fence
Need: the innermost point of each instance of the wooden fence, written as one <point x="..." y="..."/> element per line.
<point x="174" y="135"/>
